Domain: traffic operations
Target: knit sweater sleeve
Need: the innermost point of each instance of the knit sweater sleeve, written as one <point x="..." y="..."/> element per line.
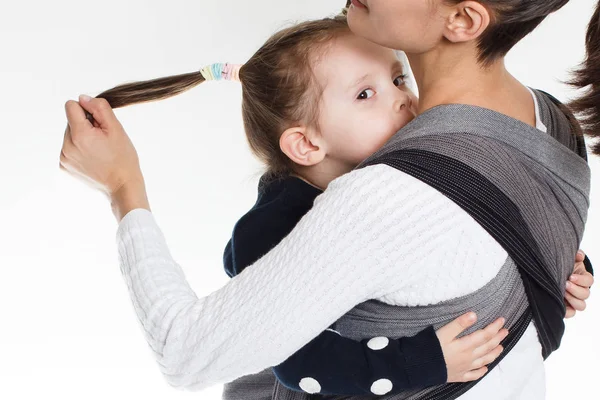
<point x="364" y="238"/>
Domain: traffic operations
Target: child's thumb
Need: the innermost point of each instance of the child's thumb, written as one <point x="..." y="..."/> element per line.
<point x="100" y="110"/>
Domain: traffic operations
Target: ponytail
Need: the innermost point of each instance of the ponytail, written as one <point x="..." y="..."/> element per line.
<point x="587" y="77"/>
<point x="155" y="89"/>
<point x="163" y="88"/>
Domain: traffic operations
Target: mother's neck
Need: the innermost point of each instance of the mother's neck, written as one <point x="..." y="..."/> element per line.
<point x="451" y="77"/>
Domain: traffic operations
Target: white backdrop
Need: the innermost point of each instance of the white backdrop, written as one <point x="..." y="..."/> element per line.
<point x="67" y="324"/>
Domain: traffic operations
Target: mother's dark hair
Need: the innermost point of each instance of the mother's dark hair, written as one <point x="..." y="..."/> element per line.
<point x="512" y="20"/>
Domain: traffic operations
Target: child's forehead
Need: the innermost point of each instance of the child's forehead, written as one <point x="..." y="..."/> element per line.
<point x="351" y="57"/>
<point x="351" y="51"/>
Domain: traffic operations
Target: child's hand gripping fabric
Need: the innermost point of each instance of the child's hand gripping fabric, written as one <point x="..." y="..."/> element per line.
<point x="579" y="284"/>
<point x="467" y="357"/>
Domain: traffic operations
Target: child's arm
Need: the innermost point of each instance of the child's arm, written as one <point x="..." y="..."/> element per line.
<point x="333" y="364"/>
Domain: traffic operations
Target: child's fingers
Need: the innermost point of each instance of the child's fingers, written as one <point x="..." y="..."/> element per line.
<point x="488" y="358"/>
<point x="580" y="256"/>
<point x="585" y="279"/>
<point x="570" y="312"/>
<point x="482" y="336"/>
<point x="474" y="374"/>
<point x="577" y="304"/>
<point x="450" y="331"/>
<point x="490" y="345"/>
<point x="579" y="292"/>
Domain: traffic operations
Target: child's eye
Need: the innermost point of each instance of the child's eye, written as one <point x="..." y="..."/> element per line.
<point x="400" y="80"/>
<point x="365" y="94"/>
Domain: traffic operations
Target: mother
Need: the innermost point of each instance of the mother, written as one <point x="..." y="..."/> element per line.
<point x="470" y="176"/>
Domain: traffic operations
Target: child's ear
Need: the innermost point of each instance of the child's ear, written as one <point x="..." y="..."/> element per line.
<point x="296" y="143"/>
<point x="469" y="19"/>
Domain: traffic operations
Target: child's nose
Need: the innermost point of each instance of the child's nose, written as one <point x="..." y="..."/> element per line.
<point x="402" y="102"/>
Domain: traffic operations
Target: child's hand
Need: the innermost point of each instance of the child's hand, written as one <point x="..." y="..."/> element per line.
<point x="578" y="287"/>
<point x="467" y="357"/>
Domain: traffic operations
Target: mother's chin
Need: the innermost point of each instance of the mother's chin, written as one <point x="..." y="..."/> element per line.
<point x="360" y="23"/>
<point x="378" y="23"/>
<point x="359" y="4"/>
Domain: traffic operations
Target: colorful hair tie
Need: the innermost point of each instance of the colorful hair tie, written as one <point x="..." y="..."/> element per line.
<point x="218" y="71"/>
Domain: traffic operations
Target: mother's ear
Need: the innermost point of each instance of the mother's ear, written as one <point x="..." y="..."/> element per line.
<point x="468" y="21"/>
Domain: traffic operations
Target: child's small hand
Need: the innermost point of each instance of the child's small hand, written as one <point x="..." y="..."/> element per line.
<point x="467" y="357"/>
<point x="578" y="287"/>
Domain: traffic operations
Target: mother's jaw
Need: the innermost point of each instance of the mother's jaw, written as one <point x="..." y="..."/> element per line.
<point x="359" y="4"/>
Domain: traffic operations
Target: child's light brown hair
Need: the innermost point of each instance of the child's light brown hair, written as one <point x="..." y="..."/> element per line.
<point x="278" y="88"/>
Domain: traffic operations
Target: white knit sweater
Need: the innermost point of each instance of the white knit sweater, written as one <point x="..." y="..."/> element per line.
<point x="375" y="233"/>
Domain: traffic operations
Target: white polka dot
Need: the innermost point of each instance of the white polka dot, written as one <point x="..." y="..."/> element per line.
<point x="381" y="386"/>
<point x="378" y="343"/>
<point x="310" y="385"/>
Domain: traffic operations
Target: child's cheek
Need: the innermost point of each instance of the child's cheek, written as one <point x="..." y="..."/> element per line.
<point x="388" y="126"/>
<point x="372" y="143"/>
